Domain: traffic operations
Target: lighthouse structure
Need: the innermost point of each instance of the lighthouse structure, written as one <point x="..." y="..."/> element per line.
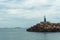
<point x="44" y="18"/>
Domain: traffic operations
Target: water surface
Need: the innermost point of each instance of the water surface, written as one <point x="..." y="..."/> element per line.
<point x="22" y="34"/>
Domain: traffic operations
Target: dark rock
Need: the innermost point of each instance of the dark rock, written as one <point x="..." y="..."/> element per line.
<point x="45" y="27"/>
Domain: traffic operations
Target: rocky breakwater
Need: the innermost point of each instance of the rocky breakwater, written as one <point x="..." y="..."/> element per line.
<point x="45" y="27"/>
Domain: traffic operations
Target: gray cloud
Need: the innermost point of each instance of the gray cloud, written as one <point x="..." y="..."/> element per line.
<point x="21" y="12"/>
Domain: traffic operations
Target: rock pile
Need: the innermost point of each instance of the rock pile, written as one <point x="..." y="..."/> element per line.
<point x="45" y="27"/>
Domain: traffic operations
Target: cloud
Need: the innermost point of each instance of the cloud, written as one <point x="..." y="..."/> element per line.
<point x="29" y="8"/>
<point x="11" y="10"/>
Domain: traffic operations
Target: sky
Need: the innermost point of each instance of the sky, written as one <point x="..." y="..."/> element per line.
<point x="25" y="13"/>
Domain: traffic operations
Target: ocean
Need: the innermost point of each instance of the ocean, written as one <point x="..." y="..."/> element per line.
<point x="22" y="34"/>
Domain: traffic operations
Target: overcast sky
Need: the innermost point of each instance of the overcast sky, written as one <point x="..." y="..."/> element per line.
<point x="24" y="13"/>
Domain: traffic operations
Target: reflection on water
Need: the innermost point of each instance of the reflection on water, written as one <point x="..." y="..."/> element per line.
<point x="21" y="34"/>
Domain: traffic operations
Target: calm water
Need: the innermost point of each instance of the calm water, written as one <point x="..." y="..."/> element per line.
<point x="21" y="34"/>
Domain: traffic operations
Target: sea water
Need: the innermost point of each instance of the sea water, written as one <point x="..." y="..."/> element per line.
<point x="22" y="34"/>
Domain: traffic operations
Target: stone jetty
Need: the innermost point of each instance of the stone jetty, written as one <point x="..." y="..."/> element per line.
<point x="45" y="27"/>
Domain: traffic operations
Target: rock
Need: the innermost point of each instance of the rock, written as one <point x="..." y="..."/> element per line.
<point x="45" y="27"/>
